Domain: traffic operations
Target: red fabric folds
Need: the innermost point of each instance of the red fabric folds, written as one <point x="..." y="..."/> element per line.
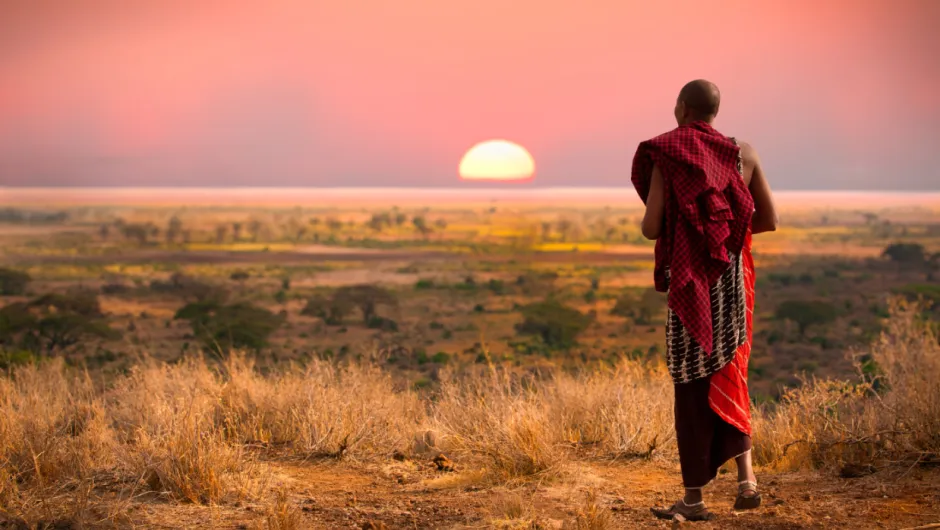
<point x="728" y="395"/>
<point x="707" y="215"/>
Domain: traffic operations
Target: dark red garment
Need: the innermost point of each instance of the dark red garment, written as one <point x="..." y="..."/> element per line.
<point x="707" y="214"/>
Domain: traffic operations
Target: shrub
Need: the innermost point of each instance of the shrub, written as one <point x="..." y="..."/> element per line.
<point x="382" y="323"/>
<point x="905" y="253"/>
<point x="13" y="282"/>
<point x="54" y="322"/>
<point x="441" y="358"/>
<point x="365" y="297"/>
<point x="424" y="284"/>
<point x="236" y="326"/>
<point x="806" y="313"/>
<point x="496" y="286"/>
<point x="643" y="309"/>
<point x="555" y="323"/>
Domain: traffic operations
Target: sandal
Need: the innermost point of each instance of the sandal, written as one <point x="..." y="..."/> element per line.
<point x="682" y="511"/>
<point x="745" y="501"/>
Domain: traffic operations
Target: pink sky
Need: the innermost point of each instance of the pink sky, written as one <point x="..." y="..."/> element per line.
<point x="835" y="94"/>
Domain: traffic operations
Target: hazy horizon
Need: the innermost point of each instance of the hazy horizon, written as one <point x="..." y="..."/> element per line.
<point x="379" y="196"/>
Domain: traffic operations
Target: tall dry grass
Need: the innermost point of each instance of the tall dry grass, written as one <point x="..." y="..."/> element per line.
<point x="198" y="432"/>
<point x="890" y="413"/>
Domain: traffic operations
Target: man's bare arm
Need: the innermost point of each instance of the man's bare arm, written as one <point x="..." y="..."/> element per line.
<point x="655" y="206"/>
<point x="765" y="214"/>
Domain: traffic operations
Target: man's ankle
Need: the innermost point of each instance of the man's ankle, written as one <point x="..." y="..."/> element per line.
<point x="692" y="497"/>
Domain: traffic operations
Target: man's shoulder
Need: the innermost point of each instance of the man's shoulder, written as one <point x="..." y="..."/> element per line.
<point x="747" y="150"/>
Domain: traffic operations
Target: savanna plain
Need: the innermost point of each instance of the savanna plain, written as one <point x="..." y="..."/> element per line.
<point x="424" y="359"/>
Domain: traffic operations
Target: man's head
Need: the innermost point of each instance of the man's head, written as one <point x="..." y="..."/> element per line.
<point x="698" y="101"/>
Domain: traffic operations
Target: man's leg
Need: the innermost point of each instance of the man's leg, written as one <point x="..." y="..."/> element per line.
<point x="745" y="468"/>
<point x="692" y="496"/>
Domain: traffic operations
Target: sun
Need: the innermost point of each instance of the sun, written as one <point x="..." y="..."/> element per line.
<point x="499" y="160"/>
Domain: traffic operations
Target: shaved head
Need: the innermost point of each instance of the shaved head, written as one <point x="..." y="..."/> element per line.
<point x="700" y="100"/>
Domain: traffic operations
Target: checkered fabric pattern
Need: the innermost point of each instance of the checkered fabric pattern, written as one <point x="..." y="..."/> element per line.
<point x="707" y="215"/>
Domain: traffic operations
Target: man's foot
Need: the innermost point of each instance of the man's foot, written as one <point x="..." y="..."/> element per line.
<point x="748" y="496"/>
<point x="693" y="512"/>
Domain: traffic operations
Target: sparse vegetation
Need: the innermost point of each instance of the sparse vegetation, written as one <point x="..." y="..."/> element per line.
<point x="527" y="366"/>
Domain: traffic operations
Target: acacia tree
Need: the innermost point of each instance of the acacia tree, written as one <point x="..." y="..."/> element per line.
<point x="225" y="327"/>
<point x="365" y="297"/>
<point x="174" y="229"/>
<point x="54" y="322"/>
<point x="555" y="323"/>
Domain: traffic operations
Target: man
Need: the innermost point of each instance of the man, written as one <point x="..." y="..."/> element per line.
<point x="705" y="194"/>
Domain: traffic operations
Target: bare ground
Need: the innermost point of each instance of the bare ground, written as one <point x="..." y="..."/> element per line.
<point x="416" y="495"/>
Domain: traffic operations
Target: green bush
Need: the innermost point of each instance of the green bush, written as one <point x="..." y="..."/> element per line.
<point x="424" y="284"/>
<point x="905" y="253"/>
<point x="382" y="323"/>
<point x="236" y="326"/>
<point x="555" y="323"/>
<point x="441" y="358"/>
<point x="13" y="282"/>
<point x="54" y="322"/>
<point x="806" y="313"/>
<point x="641" y="309"/>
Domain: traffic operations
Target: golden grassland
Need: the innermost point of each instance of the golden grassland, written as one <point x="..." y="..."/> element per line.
<point x="160" y="442"/>
<point x="166" y="438"/>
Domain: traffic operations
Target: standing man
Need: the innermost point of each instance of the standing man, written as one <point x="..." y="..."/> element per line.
<point x="705" y="194"/>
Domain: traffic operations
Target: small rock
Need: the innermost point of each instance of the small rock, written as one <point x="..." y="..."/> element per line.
<point x="443" y="463"/>
<point x="856" y="471"/>
<point x="374" y="525"/>
<point x="399" y="456"/>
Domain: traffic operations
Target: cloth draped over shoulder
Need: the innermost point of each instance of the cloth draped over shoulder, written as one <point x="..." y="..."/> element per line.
<point x="708" y="211"/>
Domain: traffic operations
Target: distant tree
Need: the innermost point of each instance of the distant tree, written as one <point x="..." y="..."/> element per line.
<point x="54" y="322"/>
<point x="137" y="232"/>
<point x="365" y="297"/>
<point x="905" y="253"/>
<point x="239" y="276"/>
<point x="334" y="225"/>
<point x="13" y="282"/>
<point x="221" y="232"/>
<point x="189" y="288"/>
<point x="421" y="225"/>
<point x="546" y="230"/>
<point x="226" y="327"/>
<point x="174" y="229"/>
<point x="441" y="224"/>
<point x="236" y="232"/>
<point x="642" y="309"/>
<point x="806" y="313"/>
<point x="563" y="226"/>
<point x="380" y="220"/>
<point x="255" y="228"/>
<point x="104" y="231"/>
<point x="400" y="219"/>
<point x="555" y="323"/>
<point x="317" y="306"/>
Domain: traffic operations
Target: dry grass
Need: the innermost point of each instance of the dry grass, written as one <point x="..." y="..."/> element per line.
<point x="889" y="415"/>
<point x="197" y="433"/>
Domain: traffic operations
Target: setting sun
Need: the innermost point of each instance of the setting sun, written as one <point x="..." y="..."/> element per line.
<point x="497" y="160"/>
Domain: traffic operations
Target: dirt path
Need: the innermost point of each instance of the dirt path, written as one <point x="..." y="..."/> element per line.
<point x="409" y="495"/>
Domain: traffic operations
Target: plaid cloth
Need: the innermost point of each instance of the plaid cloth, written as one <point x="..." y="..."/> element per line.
<point x="707" y="215"/>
